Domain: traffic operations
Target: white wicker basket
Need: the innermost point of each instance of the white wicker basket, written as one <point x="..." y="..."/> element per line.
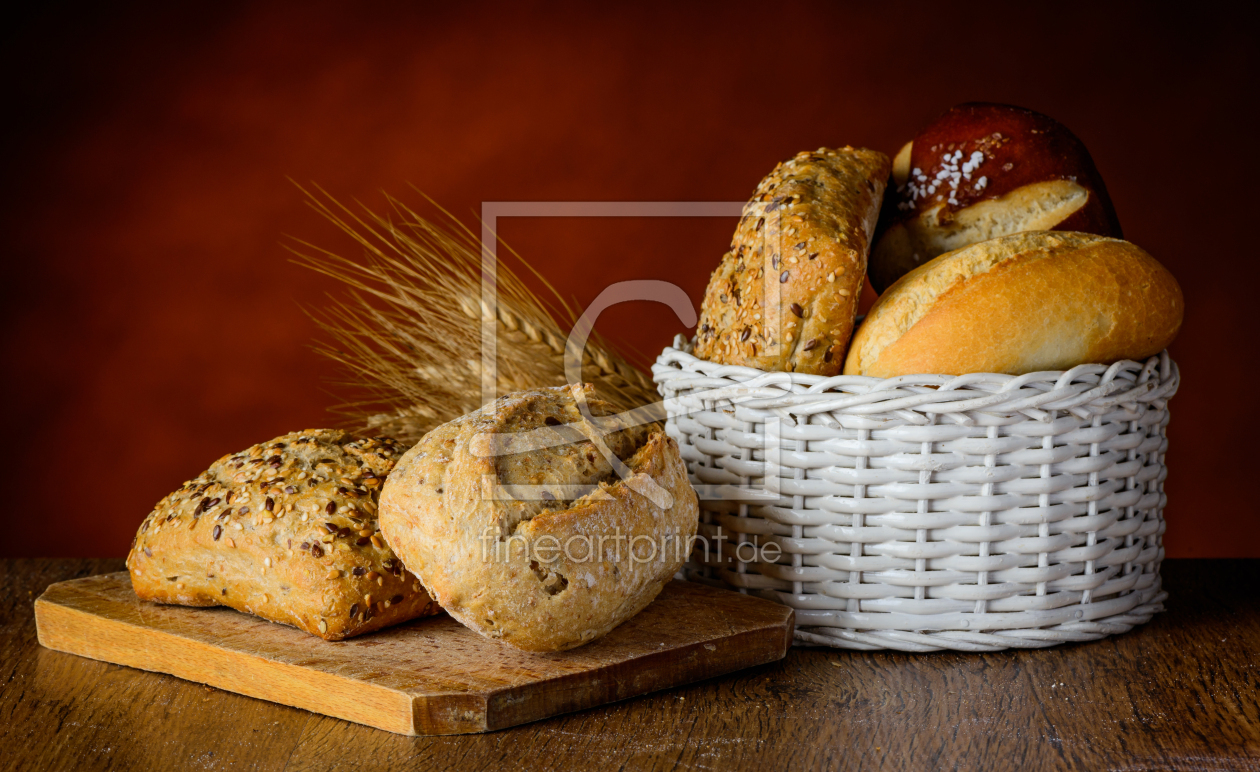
<point x="921" y="513"/>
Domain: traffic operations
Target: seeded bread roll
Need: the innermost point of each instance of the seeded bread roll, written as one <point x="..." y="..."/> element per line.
<point x="785" y="296"/>
<point x="523" y="529"/>
<point x="287" y="531"/>
<point x="1024" y="303"/>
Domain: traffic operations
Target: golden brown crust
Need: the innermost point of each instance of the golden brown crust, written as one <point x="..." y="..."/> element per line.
<point x="490" y="561"/>
<point x="1024" y="303"/>
<point x="286" y="530"/>
<point x="785" y="296"/>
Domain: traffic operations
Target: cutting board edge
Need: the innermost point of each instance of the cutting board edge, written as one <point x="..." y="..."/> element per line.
<point x="63" y="624"/>
<point x="771" y="641"/>
<point x="99" y="634"/>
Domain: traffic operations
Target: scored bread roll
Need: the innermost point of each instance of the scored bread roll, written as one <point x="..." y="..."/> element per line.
<point x="523" y="529"/>
<point x="980" y="171"/>
<point x="785" y="295"/>
<point x="1018" y="304"/>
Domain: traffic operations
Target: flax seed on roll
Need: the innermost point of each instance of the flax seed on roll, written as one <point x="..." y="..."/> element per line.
<point x="785" y="295"/>
<point x="1041" y="300"/>
<point x="285" y="530"/>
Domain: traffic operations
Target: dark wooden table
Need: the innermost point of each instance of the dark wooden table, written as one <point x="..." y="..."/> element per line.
<point x="1181" y="693"/>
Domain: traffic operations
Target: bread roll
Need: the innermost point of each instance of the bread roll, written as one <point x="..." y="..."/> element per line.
<point x="785" y="295"/>
<point x="980" y="171"/>
<point x="1019" y="304"/>
<point x="536" y="546"/>
<point x="285" y="530"/>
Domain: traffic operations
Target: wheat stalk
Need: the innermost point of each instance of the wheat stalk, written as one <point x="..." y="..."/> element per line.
<point x="408" y="332"/>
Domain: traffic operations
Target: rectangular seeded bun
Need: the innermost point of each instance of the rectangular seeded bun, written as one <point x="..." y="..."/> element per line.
<point x="1018" y="304"/>
<point x="785" y="295"/>
<point x="287" y="531"/>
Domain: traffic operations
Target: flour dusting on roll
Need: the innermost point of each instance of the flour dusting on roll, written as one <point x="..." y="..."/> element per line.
<point x="539" y="527"/>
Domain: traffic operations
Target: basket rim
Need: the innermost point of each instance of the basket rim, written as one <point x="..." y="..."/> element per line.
<point x="1088" y="387"/>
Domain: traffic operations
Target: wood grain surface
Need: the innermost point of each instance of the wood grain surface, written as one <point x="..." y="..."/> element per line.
<point x="429" y="676"/>
<point x="1179" y="693"/>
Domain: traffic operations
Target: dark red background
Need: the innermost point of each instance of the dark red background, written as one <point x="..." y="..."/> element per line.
<point x="152" y="321"/>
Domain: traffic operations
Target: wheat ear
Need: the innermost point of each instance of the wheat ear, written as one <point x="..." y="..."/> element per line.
<point x="408" y="331"/>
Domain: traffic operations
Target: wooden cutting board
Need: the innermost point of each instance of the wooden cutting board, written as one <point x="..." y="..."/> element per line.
<point x="431" y="676"/>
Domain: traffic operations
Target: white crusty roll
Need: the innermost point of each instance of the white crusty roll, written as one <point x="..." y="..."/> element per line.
<point x="1028" y="302"/>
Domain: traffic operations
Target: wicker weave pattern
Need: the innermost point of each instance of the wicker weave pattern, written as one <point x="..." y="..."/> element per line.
<point x="921" y="513"/>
